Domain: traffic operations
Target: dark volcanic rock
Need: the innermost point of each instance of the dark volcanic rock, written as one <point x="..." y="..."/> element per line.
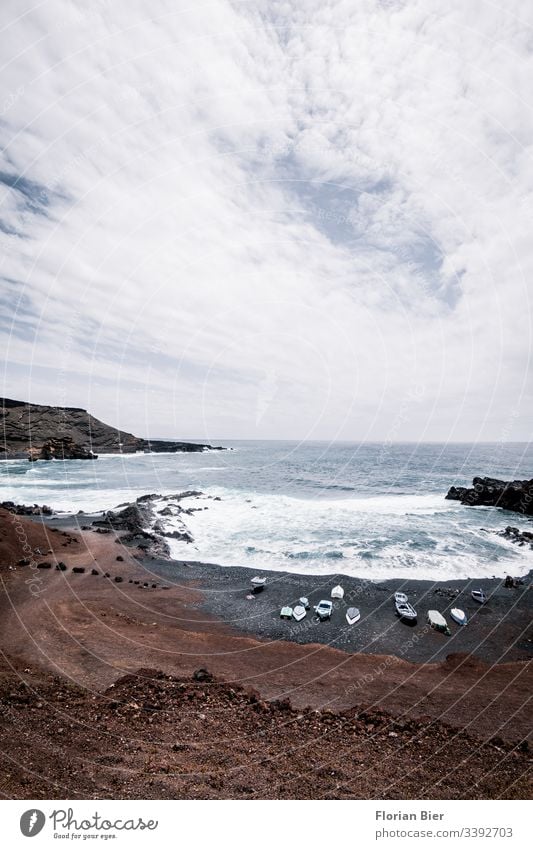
<point x="517" y="536"/>
<point x="184" y="536"/>
<point x="134" y="519"/>
<point x="62" y="448"/>
<point x="40" y="432"/>
<point x="27" y="509"/>
<point x="513" y="495"/>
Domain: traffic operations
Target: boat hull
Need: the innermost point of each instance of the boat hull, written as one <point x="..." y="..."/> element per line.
<point x="298" y="613"/>
<point x="352" y="618"/>
<point x="459" y="617"/>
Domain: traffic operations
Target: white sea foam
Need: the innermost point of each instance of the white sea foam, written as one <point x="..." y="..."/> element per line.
<point x="377" y="538"/>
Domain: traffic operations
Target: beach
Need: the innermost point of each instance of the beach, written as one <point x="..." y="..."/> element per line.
<point x="90" y="630"/>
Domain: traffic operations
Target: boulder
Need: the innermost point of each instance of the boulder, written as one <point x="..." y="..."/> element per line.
<point x="509" y="495"/>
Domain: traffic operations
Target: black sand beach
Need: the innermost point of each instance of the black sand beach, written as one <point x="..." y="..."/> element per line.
<point x="498" y="631"/>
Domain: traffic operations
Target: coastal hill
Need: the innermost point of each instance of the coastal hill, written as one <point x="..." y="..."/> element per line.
<point x="40" y="432"/>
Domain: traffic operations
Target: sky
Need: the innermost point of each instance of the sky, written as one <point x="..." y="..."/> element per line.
<point x="297" y="220"/>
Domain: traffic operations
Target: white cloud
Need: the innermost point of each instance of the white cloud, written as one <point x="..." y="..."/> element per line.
<point x="330" y="199"/>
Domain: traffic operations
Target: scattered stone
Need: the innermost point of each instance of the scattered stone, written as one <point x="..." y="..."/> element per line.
<point x="202" y="675"/>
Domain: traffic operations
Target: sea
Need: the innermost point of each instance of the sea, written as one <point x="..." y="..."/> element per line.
<point x="372" y="510"/>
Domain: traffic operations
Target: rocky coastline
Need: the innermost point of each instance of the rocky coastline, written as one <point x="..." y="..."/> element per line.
<point x="137" y="633"/>
<point x="516" y="496"/>
<point x="40" y="432"/>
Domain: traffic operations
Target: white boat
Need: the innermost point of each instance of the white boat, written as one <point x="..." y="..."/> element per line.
<point x="479" y="596"/>
<point x="438" y="622"/>
<point x="286" y="612"/>
<point x="400" y="598"/>
<point x="406" y="611"/>
<point x="258" y="584"/>
<point x="324" y="609"/>
<point x="298" y="612"/>
<point x="353" y="615"/>
<point x="337" y="592"/>
<point x="304" y="602"/>
<point x="458" y="616"/>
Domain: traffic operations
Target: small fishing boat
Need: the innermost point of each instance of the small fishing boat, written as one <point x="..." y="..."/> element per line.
<point x="400" y="598"/>
<point x="458" y="616"/>
<point x="258" y="584"/>
<point x="438" y="622"/>
<point x="324" y="609"/>
<point x="304" y="602"/>
<point x="286" y="612"/>
<point x="353" y="615"/>
<point x="298" y="612"/>
<point x="479" y="596"/>
<point x="337" y="592"/>
<point x="406" y="611"/>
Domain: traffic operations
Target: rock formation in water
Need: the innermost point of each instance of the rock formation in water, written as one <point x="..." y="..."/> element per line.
<point x="510" y="495"/>
<point x="40" y="432"/>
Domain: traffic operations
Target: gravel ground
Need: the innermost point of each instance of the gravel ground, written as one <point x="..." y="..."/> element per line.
<point x="152" y="736"/>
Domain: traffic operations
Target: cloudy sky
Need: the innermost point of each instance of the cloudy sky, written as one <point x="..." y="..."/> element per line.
<point x="307" y="219"/>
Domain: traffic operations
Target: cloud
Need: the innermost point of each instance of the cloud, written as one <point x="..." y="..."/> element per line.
<point x="270" y="219"/>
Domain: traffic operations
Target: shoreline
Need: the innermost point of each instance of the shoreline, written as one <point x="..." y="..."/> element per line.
<point x="113" y="623"/>
<point x="499" y="631"/>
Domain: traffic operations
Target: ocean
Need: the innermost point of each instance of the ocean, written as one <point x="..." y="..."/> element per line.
<point x="369" y="510"/>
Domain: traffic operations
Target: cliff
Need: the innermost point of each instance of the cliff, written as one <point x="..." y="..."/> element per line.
<point x="490" y="492"/>
<point x="40" y="432"/>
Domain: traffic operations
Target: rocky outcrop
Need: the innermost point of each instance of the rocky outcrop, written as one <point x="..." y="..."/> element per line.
<point x="62" y="448"/>
<point x="490" y="492"/>
<point x="134" y="519"/>
<point x="142" y="528"/>
<point x="517" y="536"/>
<point x="40" y="432"/>
<point x="26" y="509"/>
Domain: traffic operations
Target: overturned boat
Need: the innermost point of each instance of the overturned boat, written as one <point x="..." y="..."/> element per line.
<point x="298" y="612"/>
<point x="459" y="616"/>
<point x="353" y="615"/>
<point x="438" y="622"/>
